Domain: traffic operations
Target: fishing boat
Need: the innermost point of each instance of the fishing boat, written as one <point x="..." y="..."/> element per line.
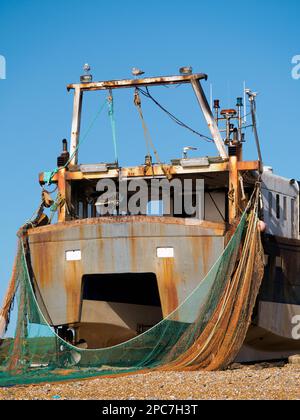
<point x="109" y="268"/>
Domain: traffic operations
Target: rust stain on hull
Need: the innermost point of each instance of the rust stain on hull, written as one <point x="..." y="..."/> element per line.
<point x="168" y="295"/>
<point x="121" y="245"/>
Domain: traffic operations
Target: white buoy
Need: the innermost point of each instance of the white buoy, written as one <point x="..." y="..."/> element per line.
<point x="262" y="226"/>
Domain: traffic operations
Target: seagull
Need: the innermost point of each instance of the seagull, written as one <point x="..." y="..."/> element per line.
<point x="186" y="149"/>
<point x="137" y="72"/>
<point x="86" y="77"/>
<point x="86" y="67"/>
<point x="251" y="94"/>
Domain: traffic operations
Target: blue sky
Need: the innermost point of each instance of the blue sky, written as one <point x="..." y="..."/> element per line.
<point x="46" y="42"/>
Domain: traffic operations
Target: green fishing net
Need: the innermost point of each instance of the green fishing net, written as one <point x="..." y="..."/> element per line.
<point x="35" y="353"/>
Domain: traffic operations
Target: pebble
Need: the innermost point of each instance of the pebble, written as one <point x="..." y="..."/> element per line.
<point x="295" y="360"/>
<point x="251" y="382"/>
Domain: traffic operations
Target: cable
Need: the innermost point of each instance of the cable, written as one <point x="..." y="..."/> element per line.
<point x="216" y="206"/>
<point x="148" y="139"/>
<point x="110" y="104"/>
<point x="173" y="117"/>
<point x="80" y="141"/>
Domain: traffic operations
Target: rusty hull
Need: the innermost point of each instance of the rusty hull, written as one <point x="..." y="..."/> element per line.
<point x="121" y="245"/>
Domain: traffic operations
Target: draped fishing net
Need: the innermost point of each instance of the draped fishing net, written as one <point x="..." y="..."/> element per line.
<point x="213" y="323"/>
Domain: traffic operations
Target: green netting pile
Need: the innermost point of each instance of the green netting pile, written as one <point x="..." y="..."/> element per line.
<point x="37" y="354"/>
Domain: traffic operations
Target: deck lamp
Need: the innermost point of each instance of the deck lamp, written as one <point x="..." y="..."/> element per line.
<point x="239" y="102"/>
<point x="186" y="70"/>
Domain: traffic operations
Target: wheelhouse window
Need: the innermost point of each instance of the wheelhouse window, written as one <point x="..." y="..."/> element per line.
<point x="284" y="208"/>
<point x="270" y="203"/>
<point x="155" y="208"/>
<point x="278" y="206"/>
<point x="181" y="198"/>
<point x="292" y="216"/>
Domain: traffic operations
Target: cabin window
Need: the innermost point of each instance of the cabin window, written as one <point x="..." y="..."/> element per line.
<point x="73" y="255"/>
<point x="90" y="211"/>
<point x="215" y="206"/>
<point x="80" y="210"/>
<point x="165" y="252"/>
<point x="292" y="215"/>
<point x="270" y="203"/>
<point x="86" y="210"/>
<point x="155" y="208"/>
<point x="284" y="208"/>
<point x="279" y="262"/>
<point x="278" y="206"/>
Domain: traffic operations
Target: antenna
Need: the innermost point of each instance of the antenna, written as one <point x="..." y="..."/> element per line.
<point x="252" y="100"/>
<point x="245" y="106"/>
<point x="211" y="96"/>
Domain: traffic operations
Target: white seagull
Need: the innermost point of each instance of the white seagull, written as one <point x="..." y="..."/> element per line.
<point x="137" y="72"/>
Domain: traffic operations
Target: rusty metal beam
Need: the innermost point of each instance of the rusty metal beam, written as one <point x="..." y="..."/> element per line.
<point x="139" y="171"/>
<point x="212" y="125"/>
<point x="251" y="165"/>
<point x="233" y="200"/>
<point x="76" y="122"/>
<point x="129" y="83"/>
<point x="217" y="228"/>
<point x="65" y="193"/>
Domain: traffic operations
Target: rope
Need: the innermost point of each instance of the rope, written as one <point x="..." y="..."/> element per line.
<point x="36" y="215"/>
<point x="148" y="139"/>
<point x="9" y="297"/>
<point x="110" y="104"/>
<point x="221" y="342"/>
<point x="46" y="201"/>
<point x="138" y="104"/>
<point x="231" y="285"/>
<point x="59" y="202"/>
<point x="50" y="175"/>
